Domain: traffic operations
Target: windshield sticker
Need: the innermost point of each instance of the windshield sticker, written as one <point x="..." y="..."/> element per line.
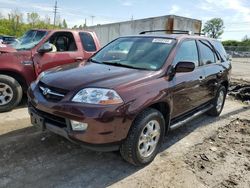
<point x="164" y="41"/>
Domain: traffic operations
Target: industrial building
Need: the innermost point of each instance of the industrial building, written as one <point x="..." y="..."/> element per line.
<point x="108" y="32"/>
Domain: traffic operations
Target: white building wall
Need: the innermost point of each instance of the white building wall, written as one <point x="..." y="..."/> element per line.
<point x="109" y="32"/>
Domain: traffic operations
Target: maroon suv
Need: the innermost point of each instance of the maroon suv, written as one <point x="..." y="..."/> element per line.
<point x="132" y="92"/>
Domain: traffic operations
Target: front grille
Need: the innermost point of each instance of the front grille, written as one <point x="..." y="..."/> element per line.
<point x="51" y="93"/>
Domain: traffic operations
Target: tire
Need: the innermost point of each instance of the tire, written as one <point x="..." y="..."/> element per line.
<point x="132" y="148"/>
<point x="218" y="102"/>
<point x="10" y="93"/>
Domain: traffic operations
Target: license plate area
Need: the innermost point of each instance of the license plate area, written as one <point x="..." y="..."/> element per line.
<point x="37" y="120"/>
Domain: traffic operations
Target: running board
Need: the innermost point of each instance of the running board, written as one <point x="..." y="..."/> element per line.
<point x="181" y="123"/>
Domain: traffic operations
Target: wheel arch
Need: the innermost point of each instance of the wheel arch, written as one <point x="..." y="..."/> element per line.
<point x="165" y="110"/>
<point x="225" y="83"/>
<point x="17" y="76"/>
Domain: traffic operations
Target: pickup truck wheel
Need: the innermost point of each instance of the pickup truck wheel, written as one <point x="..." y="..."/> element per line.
<point x="144" y="138"/>
<point x="10" y="93"/>
<point x="218" y="102"/>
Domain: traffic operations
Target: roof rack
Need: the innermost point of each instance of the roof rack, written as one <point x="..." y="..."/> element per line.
<point x="200" y="34"/>
<point x="172" y="31"/>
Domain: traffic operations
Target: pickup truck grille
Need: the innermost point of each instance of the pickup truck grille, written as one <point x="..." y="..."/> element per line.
<point x="51" y="93"/>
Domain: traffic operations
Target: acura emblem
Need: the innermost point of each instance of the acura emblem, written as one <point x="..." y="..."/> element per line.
<point x="46" y="91"/>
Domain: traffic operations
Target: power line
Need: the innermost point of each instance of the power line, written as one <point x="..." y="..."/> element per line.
<point x="55" y="12"/>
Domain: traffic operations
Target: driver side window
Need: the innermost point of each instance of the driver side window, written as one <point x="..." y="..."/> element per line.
<point x="63" y="42"/>
<point x="187" y="52"/>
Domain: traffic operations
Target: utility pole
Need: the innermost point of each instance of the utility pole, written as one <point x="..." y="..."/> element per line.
<point x="55" y="12"/>
<point x="92" y="17"/>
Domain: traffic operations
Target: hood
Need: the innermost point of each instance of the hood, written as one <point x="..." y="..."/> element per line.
<point x="4" y="48"/>
<point x="82" y="75"/>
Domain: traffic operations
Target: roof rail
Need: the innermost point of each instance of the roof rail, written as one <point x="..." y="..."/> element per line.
<point x="200" y="34"/>
<point x="172" y="31"/>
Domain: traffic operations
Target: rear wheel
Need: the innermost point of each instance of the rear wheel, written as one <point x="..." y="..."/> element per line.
<point x="218" y="102"/>
<point x="144" y="138"/>
<point x="10" y="93"/>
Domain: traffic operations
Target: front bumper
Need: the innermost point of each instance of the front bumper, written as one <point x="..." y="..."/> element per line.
<point x="107" y="126"/>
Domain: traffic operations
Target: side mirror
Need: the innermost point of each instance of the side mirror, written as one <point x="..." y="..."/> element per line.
<point x="184" y="66"/>
<point x="46" y="47"/>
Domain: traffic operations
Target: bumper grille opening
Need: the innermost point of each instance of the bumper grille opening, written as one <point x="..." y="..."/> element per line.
<point x="49" y="118"/>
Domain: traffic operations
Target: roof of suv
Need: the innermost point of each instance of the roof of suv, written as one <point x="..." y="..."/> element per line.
<point x="173" y="36"/>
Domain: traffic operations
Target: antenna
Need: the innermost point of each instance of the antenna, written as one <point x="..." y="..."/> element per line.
<point x="55" y="12"/>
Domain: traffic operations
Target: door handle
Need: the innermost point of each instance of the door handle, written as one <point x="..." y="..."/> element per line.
<point x="78" y="59"/>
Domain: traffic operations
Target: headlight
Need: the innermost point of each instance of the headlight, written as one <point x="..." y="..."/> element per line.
<point x="97" y="96"/>
<point x="78" y="126"/>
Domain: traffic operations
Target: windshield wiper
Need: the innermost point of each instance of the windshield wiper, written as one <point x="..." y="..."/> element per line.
<point x="121" y="65"/>
<point x="94" y="61"/>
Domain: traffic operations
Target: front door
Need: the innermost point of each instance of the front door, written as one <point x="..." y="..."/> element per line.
<point x="188" y="88"/>
<point x="64" y="52"/>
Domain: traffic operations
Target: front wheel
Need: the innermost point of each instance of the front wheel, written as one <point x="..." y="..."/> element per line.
<point x="218" y="102"/>
<point x="10" y="93"/>
<point x="144" y="138"/>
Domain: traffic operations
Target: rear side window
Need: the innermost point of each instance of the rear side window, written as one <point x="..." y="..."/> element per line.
<point x="206" y="52"/>
<point x="220" y="49"/>
<point x="88" y="42"/>
<point x="187" y="52"/>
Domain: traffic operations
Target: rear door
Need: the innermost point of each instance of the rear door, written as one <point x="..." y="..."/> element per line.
<point x="213" y="67"/>
<point x="188" y="88"/>
<point x="65" y="51"/>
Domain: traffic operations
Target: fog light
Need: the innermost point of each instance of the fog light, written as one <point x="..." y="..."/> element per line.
<point x="78" y="126"/>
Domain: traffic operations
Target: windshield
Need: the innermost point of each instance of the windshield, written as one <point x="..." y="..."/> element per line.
<point x="149" y="53"/>
<point x="29" y="40"/>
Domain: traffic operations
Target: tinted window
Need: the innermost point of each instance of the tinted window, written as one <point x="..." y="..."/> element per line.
<point x="88" y="42"/>
<point x="148" y="53"/>
<point x="187" y="52"/>
<point x="219" y="47"/>
<point x="206" y="52"/>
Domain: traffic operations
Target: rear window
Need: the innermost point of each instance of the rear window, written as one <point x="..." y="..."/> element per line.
<point x="88" y="42"/>
<point x="220" y="49"/>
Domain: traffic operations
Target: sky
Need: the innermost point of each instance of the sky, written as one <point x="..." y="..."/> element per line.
<point x="235" y="13"/>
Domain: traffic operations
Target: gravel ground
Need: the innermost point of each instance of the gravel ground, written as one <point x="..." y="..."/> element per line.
<point x="29" y="157"/>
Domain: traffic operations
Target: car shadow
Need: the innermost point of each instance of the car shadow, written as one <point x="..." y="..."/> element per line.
<point x="31" y="157"/>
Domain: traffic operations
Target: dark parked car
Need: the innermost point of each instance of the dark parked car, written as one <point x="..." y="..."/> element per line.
<point x="132" y="92"/>
<point x="7" y="39"/>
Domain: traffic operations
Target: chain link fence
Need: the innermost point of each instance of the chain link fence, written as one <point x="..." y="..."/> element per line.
<point x="238" y="51"/>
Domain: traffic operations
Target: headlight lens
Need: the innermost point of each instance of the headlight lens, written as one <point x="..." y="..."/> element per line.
<point x="78" y="126"/>
<point x="97" y="96"/>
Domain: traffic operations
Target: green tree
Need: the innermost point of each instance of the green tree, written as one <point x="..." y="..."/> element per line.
<point x="64" y="24"/>
<point x="15" y="22"/>
<point x="214" y="28"/>
<point x="33" y="18"/>
<point x="14" y="25"/>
